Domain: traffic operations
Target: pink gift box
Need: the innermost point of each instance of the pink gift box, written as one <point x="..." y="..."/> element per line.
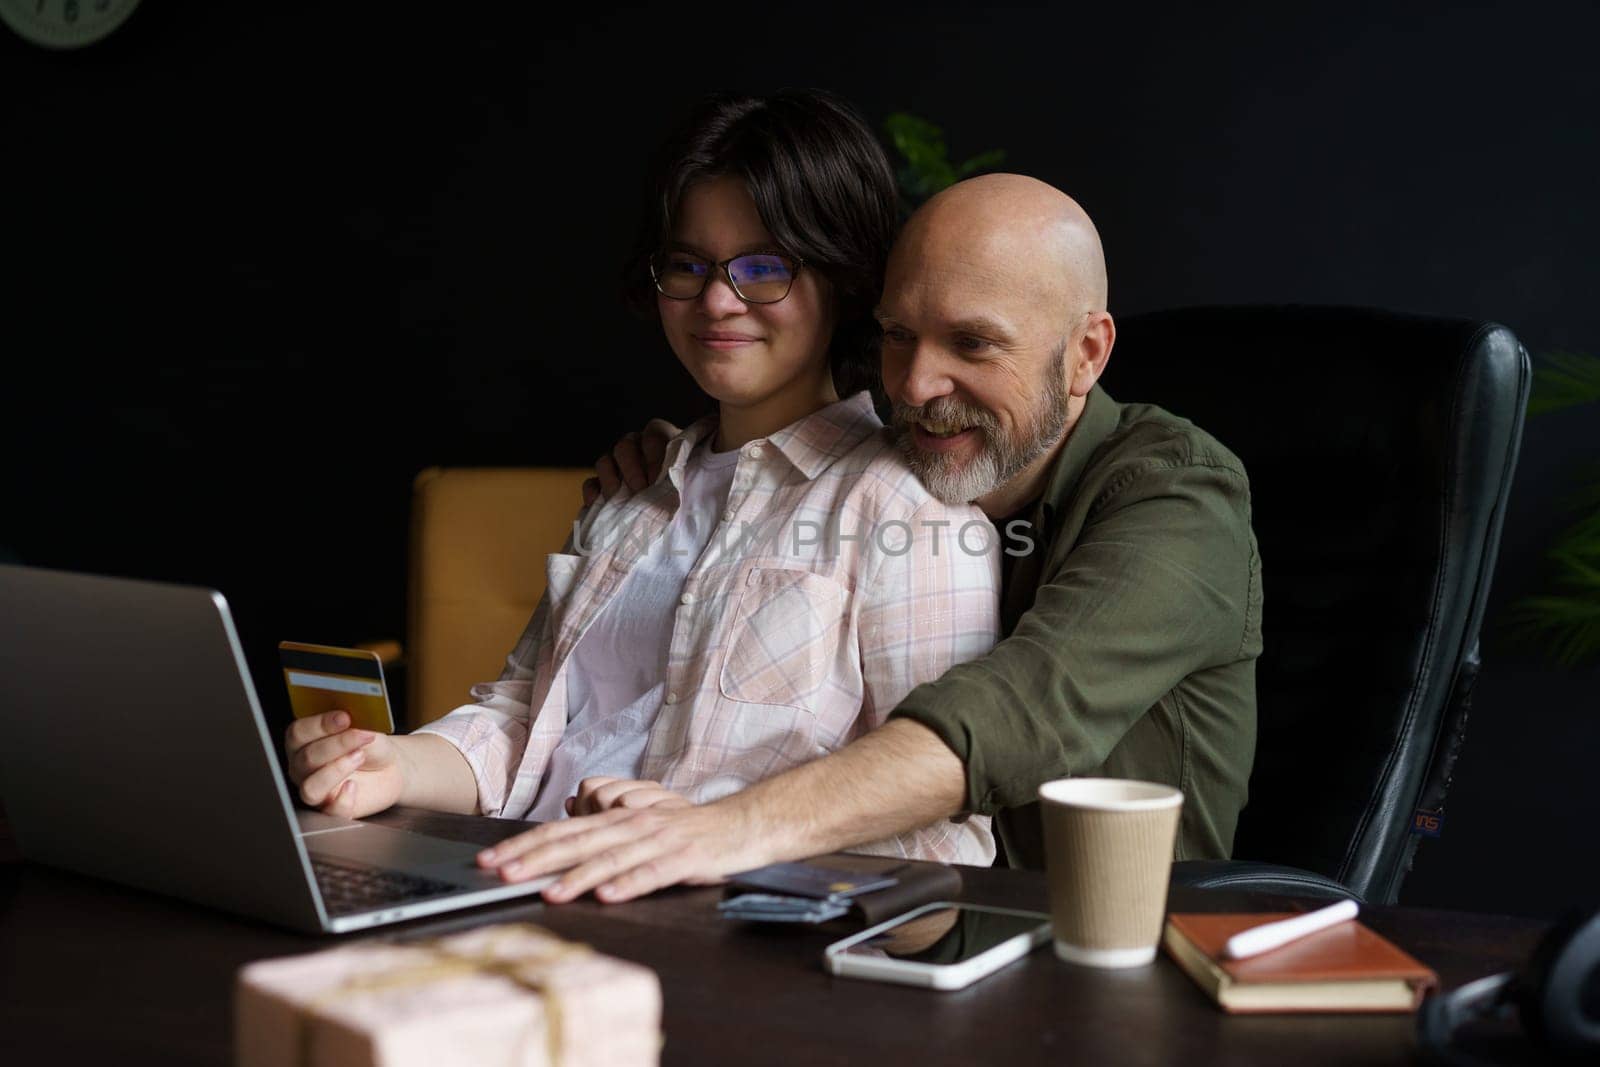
<point x="512" y="995"/>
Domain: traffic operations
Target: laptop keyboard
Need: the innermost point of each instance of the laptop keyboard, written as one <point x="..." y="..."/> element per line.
<point x="352" y="887"/>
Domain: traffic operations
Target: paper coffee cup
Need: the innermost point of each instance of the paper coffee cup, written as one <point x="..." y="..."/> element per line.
<point x="1108" y="845"/>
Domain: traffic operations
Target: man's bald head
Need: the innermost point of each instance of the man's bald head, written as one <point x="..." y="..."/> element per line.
<point x="1004" y="219"/>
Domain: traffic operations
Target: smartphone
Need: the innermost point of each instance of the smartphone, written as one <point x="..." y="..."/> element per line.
<point x="325" y="678"/>
<point x="939" y="946"/>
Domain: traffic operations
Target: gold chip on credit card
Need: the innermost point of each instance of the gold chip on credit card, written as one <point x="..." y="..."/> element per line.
<point x="323" y="678"/>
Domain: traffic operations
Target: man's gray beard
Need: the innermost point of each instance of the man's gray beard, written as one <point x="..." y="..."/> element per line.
<point x="1001" y="458"/>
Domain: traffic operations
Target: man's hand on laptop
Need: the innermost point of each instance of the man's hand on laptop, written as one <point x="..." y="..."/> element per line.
<point x="627" y="852"/>
<point x="342" y="771"/>
<point x="635" y="461"/>
<point x="900" y="776"/>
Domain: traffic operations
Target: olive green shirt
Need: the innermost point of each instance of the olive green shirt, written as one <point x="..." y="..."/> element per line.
<point x="1131" y="634"/>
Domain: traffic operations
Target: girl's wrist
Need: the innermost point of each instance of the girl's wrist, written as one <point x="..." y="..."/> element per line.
<point x="404" y="766"/>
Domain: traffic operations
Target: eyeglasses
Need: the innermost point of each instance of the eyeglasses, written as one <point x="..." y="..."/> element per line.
<point x="756" y="277"/>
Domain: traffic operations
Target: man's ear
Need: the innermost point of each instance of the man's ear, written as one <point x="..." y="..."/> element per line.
<point x="1092" y="352"/>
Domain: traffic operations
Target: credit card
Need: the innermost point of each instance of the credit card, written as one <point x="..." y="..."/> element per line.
<point x="323" y="678"/>
<point x="767" y="908"/>
<point x="811" y="880"/>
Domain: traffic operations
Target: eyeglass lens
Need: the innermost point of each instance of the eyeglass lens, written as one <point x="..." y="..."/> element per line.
<point x="761" y="278"/>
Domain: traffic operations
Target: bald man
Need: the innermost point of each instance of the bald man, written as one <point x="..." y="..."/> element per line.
<point x="1132" y="596"/>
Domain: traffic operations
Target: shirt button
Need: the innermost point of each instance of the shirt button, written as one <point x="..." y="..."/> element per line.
<point x="687" y="598"/>
<point x="754" y="451"/>
<point x="672" y="698"/>
<point x="727" y="516"/>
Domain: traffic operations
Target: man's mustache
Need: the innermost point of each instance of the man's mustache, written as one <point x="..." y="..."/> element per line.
<point x="946" y="409"/>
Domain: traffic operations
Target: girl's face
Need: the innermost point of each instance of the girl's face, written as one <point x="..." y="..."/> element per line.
<point x="743" y="354"/>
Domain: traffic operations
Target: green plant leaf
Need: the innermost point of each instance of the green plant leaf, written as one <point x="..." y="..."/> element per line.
<point x="1569" y="626"/>
<point x="1567" y="619"/>
<point x="1563" y="380"/>
<point x="982" y="161"/>
<point x="919" y="142"/>
<point x="907" y="129"/>
<point x="928" y="169"/>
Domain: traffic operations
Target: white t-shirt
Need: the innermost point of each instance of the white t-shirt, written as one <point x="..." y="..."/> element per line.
<point x="617" y="679"/>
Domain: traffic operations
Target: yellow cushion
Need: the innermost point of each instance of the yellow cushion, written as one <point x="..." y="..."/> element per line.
<point x="479" y="537"/>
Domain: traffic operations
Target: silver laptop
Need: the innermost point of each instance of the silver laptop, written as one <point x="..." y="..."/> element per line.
<point x="133" y="748"/>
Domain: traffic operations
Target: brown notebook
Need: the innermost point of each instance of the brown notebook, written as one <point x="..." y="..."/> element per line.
<point x="1346" y="968"/>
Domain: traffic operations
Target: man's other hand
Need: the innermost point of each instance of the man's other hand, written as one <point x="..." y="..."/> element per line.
<point x="627" y="852"/>
<point x="634" y="461"/>
<point x="600" y="793"/>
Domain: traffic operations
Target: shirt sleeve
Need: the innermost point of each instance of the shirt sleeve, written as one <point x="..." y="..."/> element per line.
<point x="933" y="602"/>
<point x="1157" y="586"/>
<point x="493" y="733"/>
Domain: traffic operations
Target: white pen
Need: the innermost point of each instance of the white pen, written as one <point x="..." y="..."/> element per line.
<point x="1268" y="936"/>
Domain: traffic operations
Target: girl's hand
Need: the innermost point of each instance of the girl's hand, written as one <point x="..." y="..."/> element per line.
<point x="602" y="794"/>
<point x="344" y="772"/>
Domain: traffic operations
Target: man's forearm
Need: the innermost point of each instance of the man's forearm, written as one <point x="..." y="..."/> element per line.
<point x="436" y="775"/>
<point x="897" y="778"/>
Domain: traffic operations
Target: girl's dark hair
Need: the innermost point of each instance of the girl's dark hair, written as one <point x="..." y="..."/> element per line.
<point x="823" y="187"/>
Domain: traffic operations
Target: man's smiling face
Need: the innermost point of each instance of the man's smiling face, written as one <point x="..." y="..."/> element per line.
<point x="991" y="338"/>
<point x="974" y="368"/>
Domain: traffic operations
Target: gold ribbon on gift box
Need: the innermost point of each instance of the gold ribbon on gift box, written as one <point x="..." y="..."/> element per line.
<point x="449" y="963"/>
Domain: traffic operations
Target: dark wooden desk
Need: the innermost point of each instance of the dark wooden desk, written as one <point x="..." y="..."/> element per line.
<point x="94" y="973"/>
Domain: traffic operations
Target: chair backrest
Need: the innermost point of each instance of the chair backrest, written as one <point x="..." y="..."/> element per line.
<point x="1380" y="449"/>
<point x="479" y="538"/>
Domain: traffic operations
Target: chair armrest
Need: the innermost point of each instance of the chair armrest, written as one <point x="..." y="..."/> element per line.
<point x="389" y="651"/>
<point x="1251" y="876"/>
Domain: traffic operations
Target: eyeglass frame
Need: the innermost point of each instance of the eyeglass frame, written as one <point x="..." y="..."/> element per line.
<point x="799" y="264"/>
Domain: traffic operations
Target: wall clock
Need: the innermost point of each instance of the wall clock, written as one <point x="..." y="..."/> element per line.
<point x="65" y="23"/>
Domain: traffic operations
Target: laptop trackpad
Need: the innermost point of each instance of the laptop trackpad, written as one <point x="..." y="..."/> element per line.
<point x="401" y="850"/>
<point x="315" y="822"/>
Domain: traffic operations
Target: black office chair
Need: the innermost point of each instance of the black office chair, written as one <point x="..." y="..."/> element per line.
<point x="1380" y="449"/>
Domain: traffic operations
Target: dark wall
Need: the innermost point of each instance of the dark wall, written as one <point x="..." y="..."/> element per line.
<point x="261" y="268"/>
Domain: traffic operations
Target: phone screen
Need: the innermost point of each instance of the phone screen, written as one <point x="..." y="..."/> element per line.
<point x="946" y="936"/>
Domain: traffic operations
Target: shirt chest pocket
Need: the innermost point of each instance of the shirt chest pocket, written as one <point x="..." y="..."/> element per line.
<point x="789" y="630"/>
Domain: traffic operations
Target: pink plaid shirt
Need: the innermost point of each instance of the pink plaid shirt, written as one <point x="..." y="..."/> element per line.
<point x="835" y="584"/>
